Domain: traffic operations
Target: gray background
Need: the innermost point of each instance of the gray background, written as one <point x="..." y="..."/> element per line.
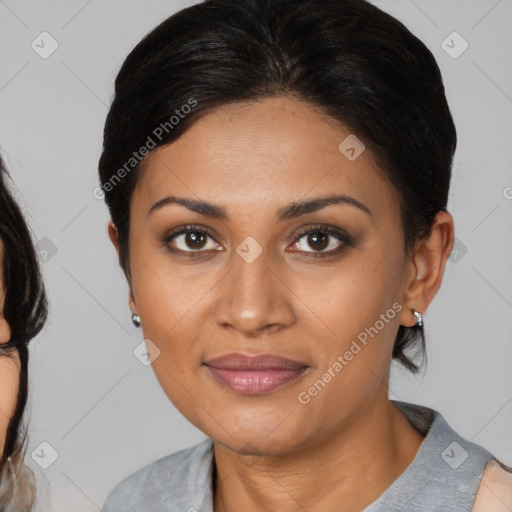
<point x="97" y="406"/>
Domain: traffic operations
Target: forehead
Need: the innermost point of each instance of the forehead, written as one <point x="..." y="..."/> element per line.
<point x="273" y="150"/>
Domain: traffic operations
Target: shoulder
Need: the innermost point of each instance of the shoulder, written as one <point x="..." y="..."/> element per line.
<point x="495" y="490"/>
<point x="468" y="471"/>
<point x="446" y="471"/>
<point x="152" y="487"/>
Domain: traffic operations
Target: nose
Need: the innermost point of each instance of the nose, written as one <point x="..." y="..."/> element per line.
<point x="253" y="299"/>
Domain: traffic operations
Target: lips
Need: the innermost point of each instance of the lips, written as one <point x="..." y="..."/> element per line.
<point x="253" y="375"/>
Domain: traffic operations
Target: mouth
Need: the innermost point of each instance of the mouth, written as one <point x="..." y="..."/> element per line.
<point x="254" y="375"/>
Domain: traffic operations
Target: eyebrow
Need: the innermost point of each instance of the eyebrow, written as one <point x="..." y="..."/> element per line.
<point x="292" y="210"/>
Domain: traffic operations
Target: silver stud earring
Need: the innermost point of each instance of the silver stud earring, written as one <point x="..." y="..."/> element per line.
<point x="136" y="320"/>
<point x="419" y="319"/>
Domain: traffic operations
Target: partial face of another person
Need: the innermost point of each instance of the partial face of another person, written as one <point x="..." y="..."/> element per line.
<point x="9" y="366"/>
<point x="257" y="275"/>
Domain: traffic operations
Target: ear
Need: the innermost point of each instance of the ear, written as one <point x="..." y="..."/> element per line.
<point x="5" y="330"/>
<point x="425" y="268"/>
<point x="114" y="238"/>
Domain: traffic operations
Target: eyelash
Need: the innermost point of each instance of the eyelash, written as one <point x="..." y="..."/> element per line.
<point x="325" y="229"/>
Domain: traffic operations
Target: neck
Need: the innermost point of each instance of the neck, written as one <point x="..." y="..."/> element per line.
<point x="352" y="468"/>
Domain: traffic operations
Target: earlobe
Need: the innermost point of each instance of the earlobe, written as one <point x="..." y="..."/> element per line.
<point x="131" y="303"/>
<point x="133" y="308"/>
<point x="426" y="268"/>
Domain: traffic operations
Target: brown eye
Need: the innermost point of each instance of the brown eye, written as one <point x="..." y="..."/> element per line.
<point x="190" y="239"/>
<point x="322" y="240"/>
<point x="195" y="239"/>
<point x="318" y="241"/>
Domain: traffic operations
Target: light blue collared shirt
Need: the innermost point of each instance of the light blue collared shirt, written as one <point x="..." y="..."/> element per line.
<point x="443" y="477"/>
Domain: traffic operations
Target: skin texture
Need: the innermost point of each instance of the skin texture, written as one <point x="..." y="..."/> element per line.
<point x="349" y="443"/>
<point x="9" y="368"/>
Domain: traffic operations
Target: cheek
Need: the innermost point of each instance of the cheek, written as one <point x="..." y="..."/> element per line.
<point x="169" y="300"/>
<point x="346" y="299"/>
<point x="5" y="331"/>
<point x="172" y="301"/>
<point x="9" y="376"/>
<point x="355" y="310"/>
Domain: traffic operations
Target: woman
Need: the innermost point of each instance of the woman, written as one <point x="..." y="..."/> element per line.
<point x="23" y="311"/>
<point x="277" y="174"/>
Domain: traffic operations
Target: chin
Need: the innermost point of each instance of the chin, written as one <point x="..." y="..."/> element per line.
<point x="258" y="440"/>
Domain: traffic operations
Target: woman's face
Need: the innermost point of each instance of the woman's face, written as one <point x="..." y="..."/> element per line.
<point x="250" y="283"/>
<point x="9" y="367"/>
